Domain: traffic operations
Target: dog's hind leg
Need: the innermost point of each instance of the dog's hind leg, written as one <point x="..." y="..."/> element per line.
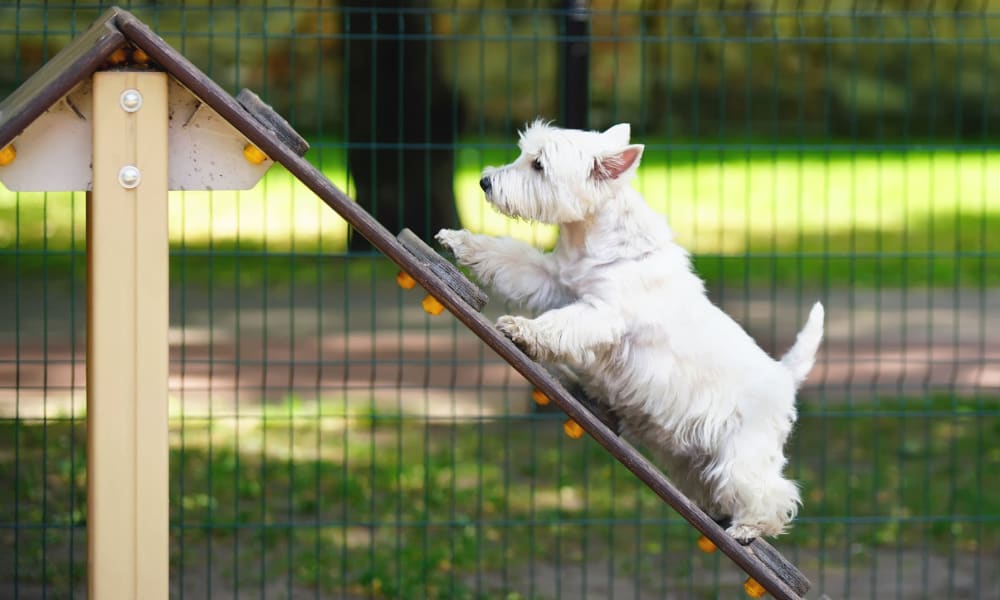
<point x="687" y="476"/>
<point x="749" y="486"/>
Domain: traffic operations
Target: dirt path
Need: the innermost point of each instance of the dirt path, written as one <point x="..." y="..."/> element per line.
<point x="884" y="575"/>
<point x="373" y="341"/>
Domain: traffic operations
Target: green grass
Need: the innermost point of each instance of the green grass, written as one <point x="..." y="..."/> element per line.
<point x="351" y="503"/>
<point x="784" y="217"/>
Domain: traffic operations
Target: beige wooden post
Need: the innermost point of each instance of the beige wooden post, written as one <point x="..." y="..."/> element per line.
<point x="127" y="349"/>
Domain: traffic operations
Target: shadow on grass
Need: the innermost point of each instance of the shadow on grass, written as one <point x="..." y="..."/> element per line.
<point x="401" y="507"/>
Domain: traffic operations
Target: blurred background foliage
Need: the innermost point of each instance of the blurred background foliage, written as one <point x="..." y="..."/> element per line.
<point x="887" y="70"/>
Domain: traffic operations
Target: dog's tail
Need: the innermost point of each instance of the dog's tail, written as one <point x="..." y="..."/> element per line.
<point x="800" y="357"/>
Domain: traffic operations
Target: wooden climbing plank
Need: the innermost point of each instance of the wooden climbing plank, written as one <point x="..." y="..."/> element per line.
<point x="470" y="292"/>
<point x="784" y="569"/>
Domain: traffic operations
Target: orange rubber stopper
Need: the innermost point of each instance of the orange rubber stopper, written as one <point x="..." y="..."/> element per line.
<point x="7" y="155"/>
<point x="573" y="429"/>
<point x="706" y="545"/>
<point x="432" y="306"/>
<point x="405" y="281"/>
<point x="539" y="397"/>
<point x="253" y="154"/>
<point x="119" y="56"/>
<point x="754" y="589"/>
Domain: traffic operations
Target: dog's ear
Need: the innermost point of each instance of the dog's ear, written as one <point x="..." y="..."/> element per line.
<point x="618" y="135"/>
<point x="614" y="165"/>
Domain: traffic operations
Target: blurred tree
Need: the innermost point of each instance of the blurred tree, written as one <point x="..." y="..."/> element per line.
<point x="894" y="70"/>
<point x="403" y="117"/>
<point x="574" y="64"/>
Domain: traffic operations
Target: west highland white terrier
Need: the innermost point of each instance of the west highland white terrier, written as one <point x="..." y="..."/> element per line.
<point x="619" y="306"/>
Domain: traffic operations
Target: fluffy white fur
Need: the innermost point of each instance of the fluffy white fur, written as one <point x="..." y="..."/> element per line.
<point x="618" y="305"/>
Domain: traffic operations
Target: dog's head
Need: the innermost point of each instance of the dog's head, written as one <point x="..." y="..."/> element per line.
<point x="562" y="175"/>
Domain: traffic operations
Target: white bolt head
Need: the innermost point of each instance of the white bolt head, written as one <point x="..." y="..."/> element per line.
<point x="131" y="100"/>
<point x="129" y="177"/>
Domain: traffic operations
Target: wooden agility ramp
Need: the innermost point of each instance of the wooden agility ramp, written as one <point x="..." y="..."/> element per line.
<point x="120" y="43"/>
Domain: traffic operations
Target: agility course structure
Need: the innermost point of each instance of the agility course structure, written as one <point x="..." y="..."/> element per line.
<point x="123" y="115"/>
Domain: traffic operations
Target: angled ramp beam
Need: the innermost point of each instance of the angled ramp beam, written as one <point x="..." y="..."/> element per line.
<point x="754" y="558"/>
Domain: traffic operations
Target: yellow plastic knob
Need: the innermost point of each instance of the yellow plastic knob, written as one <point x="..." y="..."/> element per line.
<point x="573" y="429"/>
<point x="405" y="281"/>
<point x="706" y="545"/>
<point x="253" y="154"/>
<point x="754" y="589"/>
<point x="539" y="397"/>
<point x="432" y="306"/>
<point x="7" y="155"/>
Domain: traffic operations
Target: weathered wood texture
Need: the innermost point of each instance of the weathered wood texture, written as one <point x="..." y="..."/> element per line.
<point x="785" y="570"/>
<point x="273" y="121"/>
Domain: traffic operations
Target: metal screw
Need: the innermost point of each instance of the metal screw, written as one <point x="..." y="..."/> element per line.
<point x="129" y="177"/>
<point x="131" y="100"/>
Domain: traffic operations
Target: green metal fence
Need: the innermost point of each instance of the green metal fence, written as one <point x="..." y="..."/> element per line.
<point x="329" y="439"/>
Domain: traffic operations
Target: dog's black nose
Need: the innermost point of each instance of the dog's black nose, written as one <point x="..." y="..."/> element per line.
<point x="485" y="184"/>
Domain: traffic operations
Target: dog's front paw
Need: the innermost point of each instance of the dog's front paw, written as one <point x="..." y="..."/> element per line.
<point x="534" y="340"/>
<point x="459" y="241"/>
<point x="519" y="330"/>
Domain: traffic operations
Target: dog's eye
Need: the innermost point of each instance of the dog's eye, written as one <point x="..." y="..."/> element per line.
<point x="537" y="165"/>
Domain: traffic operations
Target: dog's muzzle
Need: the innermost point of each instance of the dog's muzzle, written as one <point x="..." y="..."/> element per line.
<point x="486" y="184"/>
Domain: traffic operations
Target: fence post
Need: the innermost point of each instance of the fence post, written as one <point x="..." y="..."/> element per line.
<point x="575" y="63"/>
<point x="127" y="347"/>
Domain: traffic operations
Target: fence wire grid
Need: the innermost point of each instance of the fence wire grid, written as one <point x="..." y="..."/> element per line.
<point x="329" y="439"/>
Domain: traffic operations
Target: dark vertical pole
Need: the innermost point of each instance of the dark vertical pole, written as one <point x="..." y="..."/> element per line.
<point x="402" y="121"/>
<point x="575" y="59"/>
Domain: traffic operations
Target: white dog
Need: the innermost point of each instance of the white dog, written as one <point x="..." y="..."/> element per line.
<point x="619" y="305"/>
